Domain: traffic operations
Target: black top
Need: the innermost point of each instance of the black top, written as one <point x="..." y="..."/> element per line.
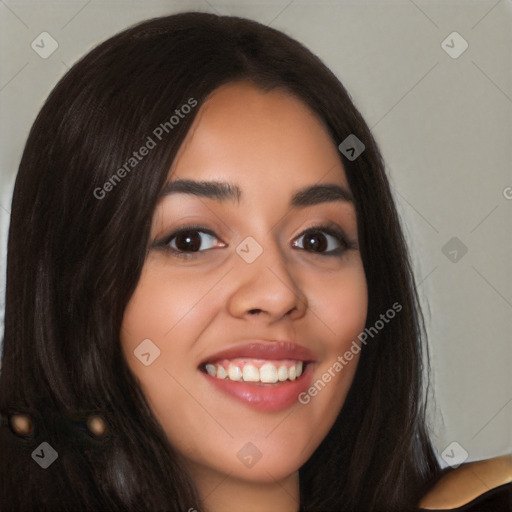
<point x="498" y="499"/>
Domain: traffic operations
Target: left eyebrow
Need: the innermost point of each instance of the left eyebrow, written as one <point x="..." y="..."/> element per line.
<point x="323" y="193"/>
<point x="222" y="191"/>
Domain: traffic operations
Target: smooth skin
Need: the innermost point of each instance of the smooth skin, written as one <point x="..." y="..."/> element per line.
<point x="270" y="144"/>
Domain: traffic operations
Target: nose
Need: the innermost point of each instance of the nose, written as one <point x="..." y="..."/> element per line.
<point x="266" y="287"/>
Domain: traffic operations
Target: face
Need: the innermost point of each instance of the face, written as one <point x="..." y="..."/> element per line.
<point x="259" y="281"/>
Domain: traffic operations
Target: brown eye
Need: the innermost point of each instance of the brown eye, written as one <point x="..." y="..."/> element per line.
<point x="190" y="240"/>
<point x="315" y="242"/>
<point x="323" y="240"/>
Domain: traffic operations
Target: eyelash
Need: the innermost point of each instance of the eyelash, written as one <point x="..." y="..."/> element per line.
<point x="329" y="229"/>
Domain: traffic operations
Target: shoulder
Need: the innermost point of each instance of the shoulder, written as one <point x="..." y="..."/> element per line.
<point x="481" y="481"/>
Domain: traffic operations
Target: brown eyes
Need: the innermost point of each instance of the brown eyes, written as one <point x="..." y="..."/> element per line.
<point x="191" y="241"/>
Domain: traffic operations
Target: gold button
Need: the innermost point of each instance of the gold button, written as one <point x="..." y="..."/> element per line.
<point x="21" y="423"/>
<point x="97" y="425"/>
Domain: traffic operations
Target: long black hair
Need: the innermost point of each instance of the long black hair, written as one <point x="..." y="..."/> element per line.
<point x="75" y="254"/>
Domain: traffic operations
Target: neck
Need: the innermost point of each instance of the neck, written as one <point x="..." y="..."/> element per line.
<point x="225" y="493"/>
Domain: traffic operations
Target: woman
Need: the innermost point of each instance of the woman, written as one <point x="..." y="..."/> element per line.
<point x="209" y="302"/>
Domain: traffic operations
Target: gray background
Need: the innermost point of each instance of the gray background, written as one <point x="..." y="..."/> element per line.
<point x="444" y="126"/>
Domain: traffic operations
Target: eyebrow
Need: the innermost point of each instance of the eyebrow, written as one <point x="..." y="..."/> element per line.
<point x="222" y="191"/>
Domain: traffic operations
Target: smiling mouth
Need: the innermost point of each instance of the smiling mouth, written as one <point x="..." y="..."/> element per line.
<point x="267" y="385"/>
<point x="255" y="371"/>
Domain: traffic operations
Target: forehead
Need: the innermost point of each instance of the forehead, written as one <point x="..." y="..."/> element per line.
<point x="245" y="135"/>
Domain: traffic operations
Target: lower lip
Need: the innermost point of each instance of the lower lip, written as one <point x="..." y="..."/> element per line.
<point x="266" y="397"/>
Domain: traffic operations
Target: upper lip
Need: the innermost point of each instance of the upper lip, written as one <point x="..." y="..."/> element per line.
<point x="275" y="350"/>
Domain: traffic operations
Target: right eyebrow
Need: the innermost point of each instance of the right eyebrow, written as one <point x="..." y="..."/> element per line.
<point x="219" y="190"/>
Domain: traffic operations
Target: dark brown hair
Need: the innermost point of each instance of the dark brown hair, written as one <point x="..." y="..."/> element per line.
<point x="74" y="261"/>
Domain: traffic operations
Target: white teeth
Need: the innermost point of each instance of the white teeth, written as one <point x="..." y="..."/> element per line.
<point x="234" y="372"/>
<point x="251" y="373"/>
<point x="282" y="373"/>
<point x="210" y="368"/>
<point x="268" y="373"/>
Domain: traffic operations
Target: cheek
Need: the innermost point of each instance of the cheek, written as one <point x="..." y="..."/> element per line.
<point x="340" y="303"/>
<point x="156" y="311"/>
<point x="171" y="322"/>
